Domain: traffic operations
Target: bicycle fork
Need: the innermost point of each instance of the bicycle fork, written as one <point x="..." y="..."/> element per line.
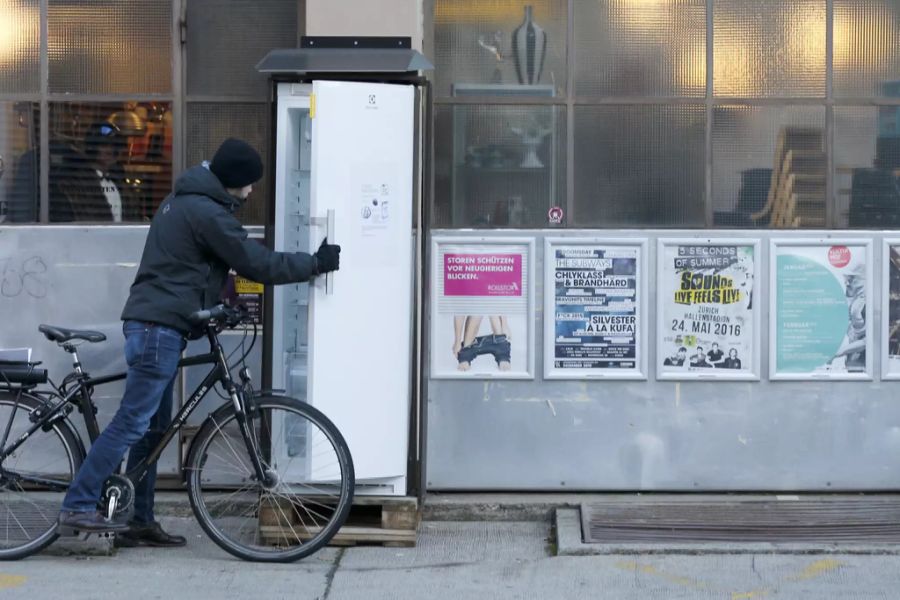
<point x="265" y="476"/>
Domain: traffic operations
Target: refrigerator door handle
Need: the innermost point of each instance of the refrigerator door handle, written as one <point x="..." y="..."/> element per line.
<point x="328" y="222"/>
<point x="329" y="229"/>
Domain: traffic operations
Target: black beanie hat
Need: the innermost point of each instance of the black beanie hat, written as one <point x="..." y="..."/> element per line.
<point x="236" y="164"/>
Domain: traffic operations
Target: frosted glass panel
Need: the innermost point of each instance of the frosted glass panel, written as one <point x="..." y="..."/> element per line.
<point x="769" y="166"/>
<point x="211" y="123"/>
<point x="645" y="48"/>
<point x="867" y="48"/>
<point x="20" y="46"/>
<point x="867" y="166"/>
<point x="639" y="165"/>
<point x="110" y="46"/>
<point x="19" y="162"/>
<point x="501" y="166"/>
<point x="474" y="43"/>
<point x="226" y="38"/>
<point x="769" y="48"/>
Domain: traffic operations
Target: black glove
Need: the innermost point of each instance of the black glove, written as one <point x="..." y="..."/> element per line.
<point x="327" y="258"/>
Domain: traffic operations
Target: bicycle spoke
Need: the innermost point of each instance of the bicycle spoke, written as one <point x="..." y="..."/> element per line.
<point x="35" y="478"/>
<point x="230" y="446"/>
<point x="293" y="517"/>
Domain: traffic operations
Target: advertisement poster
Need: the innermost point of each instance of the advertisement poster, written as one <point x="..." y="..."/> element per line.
<point x="819" y="321"/>
<point x="892" y="309"/>
<point x="708" y="309"/>
<point x="240" y="291"/>
<point x="482" y="323"/>
<point x="593" y="313"/>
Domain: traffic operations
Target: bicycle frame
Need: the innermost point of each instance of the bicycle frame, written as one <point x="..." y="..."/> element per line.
<point x="84" y="390"/>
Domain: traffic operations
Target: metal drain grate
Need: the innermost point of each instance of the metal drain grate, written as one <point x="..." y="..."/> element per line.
<point x="854" y="520"/>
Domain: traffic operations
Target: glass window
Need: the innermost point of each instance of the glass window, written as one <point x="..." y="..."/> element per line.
<point x="110" y="98"/>
<point x="768" y="48"/>
<point x="110" y="46"/>
<point x="210" y="123"/>
<point x="866" y="48"/>
<point x="226" y="38"/>
<point x="20" y="46"/>
<point x="501" y="42"/>
<point x="505" y="166"/>
<point x="648" y="48"/>
<point x="769" y="166"/>
<point x="19" y="162"/>
<point x="867" y="166"/>
<point x="110" y="161"/>
<point x="639" y="166"/>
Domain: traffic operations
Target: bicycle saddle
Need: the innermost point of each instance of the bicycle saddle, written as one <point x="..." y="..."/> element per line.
<point x="61" y="334"/>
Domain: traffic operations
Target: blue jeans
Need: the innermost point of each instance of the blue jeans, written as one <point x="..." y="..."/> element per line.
<point x="152" y="352"/>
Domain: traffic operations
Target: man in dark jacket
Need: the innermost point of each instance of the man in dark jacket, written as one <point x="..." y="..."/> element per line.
<point x="194" y="239"/>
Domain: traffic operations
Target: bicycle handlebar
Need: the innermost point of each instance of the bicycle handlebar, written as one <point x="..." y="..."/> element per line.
<point x="230" y="316"/>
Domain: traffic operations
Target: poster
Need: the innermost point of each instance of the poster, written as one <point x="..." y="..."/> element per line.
<point x="819" y="319"/>
<point x="708" y="309"/>
<point x="594" y="316"/>
<point x="241" y="291"/>
<point x="891" y="309"/>
<point x="482" y="323"/>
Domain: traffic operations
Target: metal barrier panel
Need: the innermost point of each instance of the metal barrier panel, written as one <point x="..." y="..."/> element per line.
<point x="653" y="434"/>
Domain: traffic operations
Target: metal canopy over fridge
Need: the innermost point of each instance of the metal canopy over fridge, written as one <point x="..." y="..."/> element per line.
<point x="348" y="123"/>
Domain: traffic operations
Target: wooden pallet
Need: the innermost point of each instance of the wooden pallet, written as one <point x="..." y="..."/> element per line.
<point x="387" y="520"/>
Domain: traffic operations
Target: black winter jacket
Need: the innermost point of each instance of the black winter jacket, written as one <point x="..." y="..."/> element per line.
<point x="194" y="238"/>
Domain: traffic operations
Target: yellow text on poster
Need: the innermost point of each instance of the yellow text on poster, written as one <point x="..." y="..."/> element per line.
<point x="245" y="286"/>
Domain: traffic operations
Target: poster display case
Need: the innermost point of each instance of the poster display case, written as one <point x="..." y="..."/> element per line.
<point x="595" y="308"/>
<point x="482" y="319"/>
<point x="707" y="309"/>
<point x="819" y="325"/>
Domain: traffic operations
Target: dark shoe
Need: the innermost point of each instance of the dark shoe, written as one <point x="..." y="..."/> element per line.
<point x="75" y="523"/>
<point x="148" y="534"/>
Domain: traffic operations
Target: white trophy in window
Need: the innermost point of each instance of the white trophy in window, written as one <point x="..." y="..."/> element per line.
<point x="532" y="134"/>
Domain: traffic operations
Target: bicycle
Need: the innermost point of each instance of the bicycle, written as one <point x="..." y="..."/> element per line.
<point x="269" y="477"/>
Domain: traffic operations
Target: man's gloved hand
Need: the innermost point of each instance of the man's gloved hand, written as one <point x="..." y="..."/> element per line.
<point x="327" y="258"/>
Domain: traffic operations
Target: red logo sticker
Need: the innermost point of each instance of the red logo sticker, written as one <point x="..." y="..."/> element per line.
<point x="555" y="215"/>
<point x="839" y="256"/>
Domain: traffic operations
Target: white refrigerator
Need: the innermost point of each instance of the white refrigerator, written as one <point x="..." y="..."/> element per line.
<point x="344" y="168"/>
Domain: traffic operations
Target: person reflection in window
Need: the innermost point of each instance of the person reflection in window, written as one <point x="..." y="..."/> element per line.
<point x="92" y="187"/>
<point x="23" y="196"/>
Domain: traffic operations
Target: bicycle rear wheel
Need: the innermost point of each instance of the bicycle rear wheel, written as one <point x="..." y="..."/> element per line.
<point x="33" y="479"/>
<point x="306" y="499"/>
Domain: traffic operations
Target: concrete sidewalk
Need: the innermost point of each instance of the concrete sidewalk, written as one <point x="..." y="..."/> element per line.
<point x="452" y="560"/>
<point x="492" y="557"/>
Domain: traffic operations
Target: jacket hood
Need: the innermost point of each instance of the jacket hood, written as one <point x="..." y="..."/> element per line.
<point x="201" y="181"/>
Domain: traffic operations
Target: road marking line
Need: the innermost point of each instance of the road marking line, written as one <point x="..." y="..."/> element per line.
<point x="11" y="581"/>
<point x="817" y="568"/>
<point x="749" y="595"/>
<point x="630" y="565"/>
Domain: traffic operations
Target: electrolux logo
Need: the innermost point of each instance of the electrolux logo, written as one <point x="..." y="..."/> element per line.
<point x="373" y="102"/>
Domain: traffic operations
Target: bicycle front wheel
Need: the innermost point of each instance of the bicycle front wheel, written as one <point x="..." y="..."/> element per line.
<point x="308" y="489"/>
<point x="34" y="478"/>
